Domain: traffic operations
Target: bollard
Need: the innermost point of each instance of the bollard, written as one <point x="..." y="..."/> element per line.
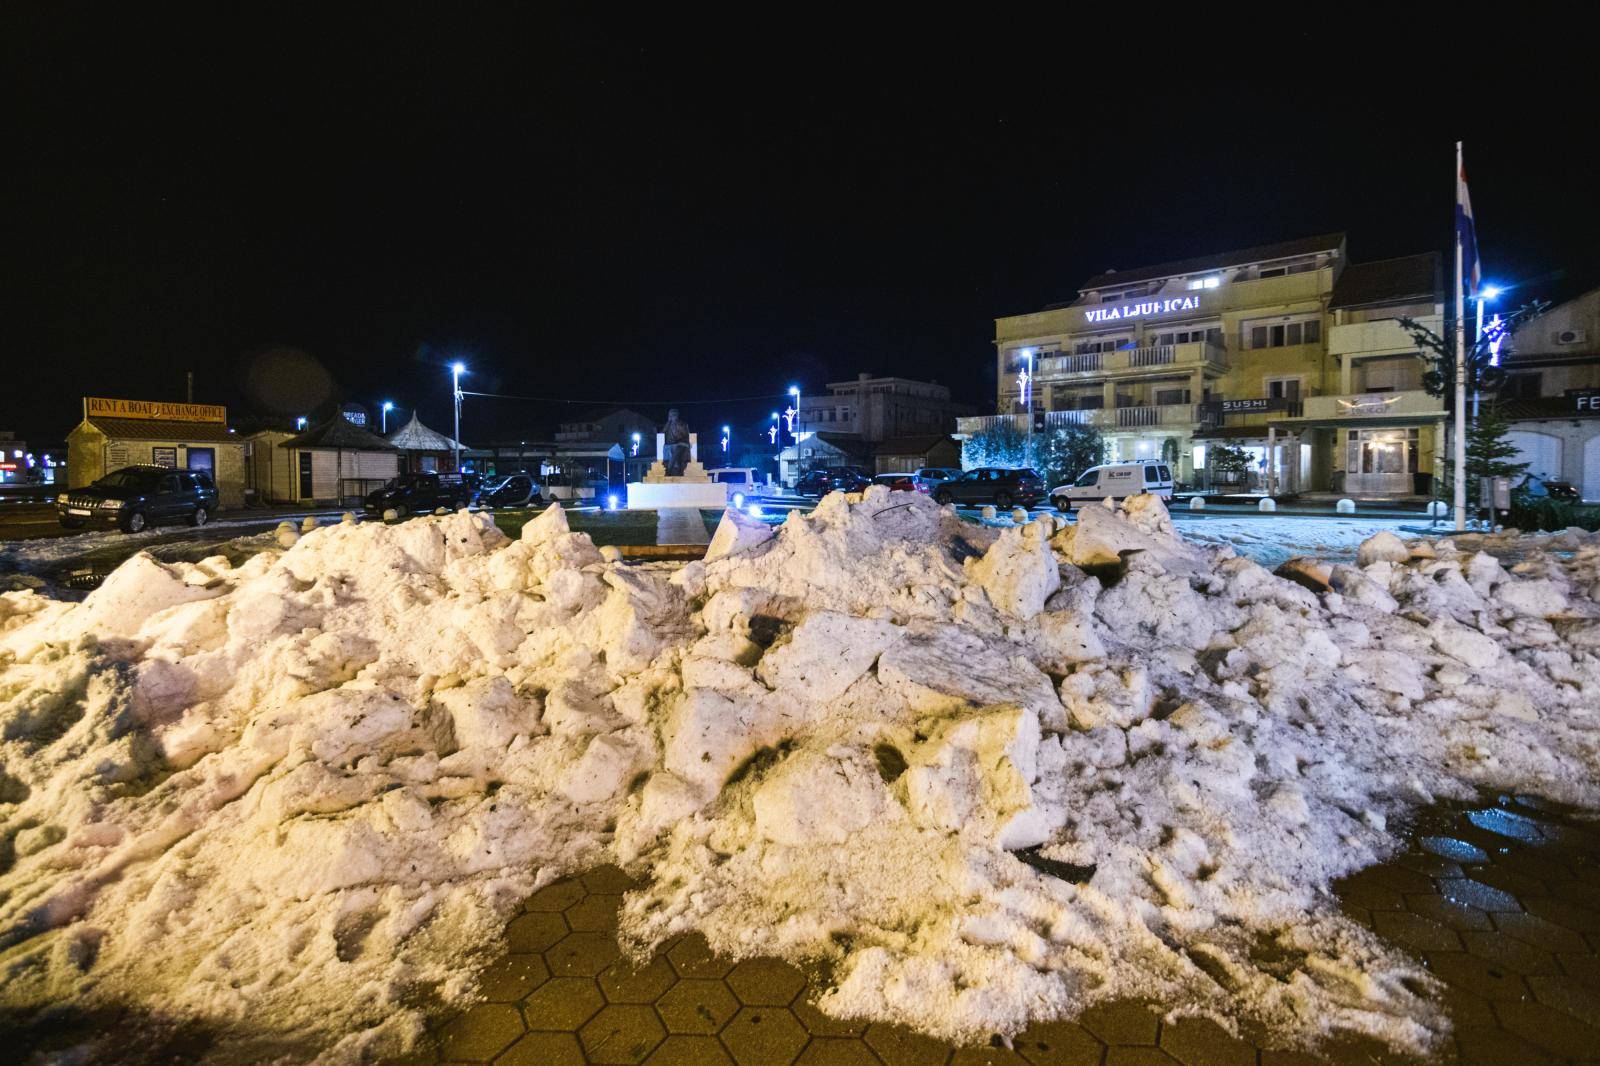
<point x="1197" y="503"/>
<point x="1019" y="515"/>
<point x="349" y="518"/>
<point x="1267" y="506"/>
<point x="1345" y="507"/>
<point x="391" y="515"/>
<point x="1438" y="509"/>
<point x="988" y="513"/>
<point x="287" y="535"/>
<point x="309" y="524"/>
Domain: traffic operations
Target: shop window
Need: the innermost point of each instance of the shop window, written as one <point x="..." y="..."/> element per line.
<point x="1382" y="451"/>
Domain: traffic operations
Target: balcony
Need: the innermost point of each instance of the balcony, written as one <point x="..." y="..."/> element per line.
<point x="1383" y="337"/>
<point x="1362" y="406"/>
<point x="1174" y="416"/>
<point x="1161" y="359"/>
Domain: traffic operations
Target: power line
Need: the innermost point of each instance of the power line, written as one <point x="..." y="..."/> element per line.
<point x="622" y="403"/>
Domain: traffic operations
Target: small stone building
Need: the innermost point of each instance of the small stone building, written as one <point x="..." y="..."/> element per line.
<point x="183" y="436"/>
<point x="332" y="463"/>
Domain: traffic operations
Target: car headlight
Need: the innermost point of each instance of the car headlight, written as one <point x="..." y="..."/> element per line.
<point x="110" y="505"/>
<point x="61" y="498"/>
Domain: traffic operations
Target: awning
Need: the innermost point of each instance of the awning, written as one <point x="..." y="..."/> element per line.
<point x="160" y="429"/>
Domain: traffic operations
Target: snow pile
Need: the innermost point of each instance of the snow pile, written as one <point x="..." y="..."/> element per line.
<point x="990" y="776"/>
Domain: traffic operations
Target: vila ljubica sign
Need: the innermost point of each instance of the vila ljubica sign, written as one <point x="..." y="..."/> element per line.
<point x="1147" y="307"/>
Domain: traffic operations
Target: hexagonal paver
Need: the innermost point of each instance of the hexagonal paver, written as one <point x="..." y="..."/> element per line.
<point x="689" y="1051"/>
<point x="535" y="932"/>
<point x="1553" y="1030"/>
<point x="1532" y="929"/>
<point x="1477" y="894"/>
<point x="1448" y="912"/>
<point x="543" y="1049"/>
<point x="508" y="979"/>
<point x="627" y="982"/>
<point x="1474" y="974"/>
<point x="556" y="896"/>
<point x="697" y="1006"/>
<point x="986" y="1056"/>
<point x="820" y="1024"/>
<point x="1059" y="1044"/>
<point x="594" y="913"/>
<point x="692" y="957"/>
<point x="1135" y="1055"/>
<point x="1415" y="932"/>
<point x="608" y="879"/>
<point x="622" y="1033"/>
<point x="1202" y="1042"/>
<point x="897" y="1045"/>
<point x="582" y="954"/>
<point x="836" y="1051"/>
<point x="481" y="1033"/>
<point x="562" y="1003"/>
<point x="1578" y="1000"/>
<point x="764" y="1036"/>
<point x="1570" y="914"/>
<point x="1509" y="953"/>
<point x="1123" y="1022"/>
<point x="765" y="982"/>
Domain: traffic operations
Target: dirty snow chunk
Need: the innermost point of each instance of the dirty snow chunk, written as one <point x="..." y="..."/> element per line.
<point x="1019" y="571"/>
<point x="974" y="775"/>
<point x="1540" y="598"/>
<point x="1467" y="645"/>
<point x="825" y="654"/>
<point x="1382" y="547"/>
<point x="487" y="714"/>
<point x="136" y="590"/>
<point x="1147" y="512"/>
<point x="736" y="534"/>
<point x="818" y="798"/>
<point x="606" y="767"/>
<point x="937" y="670"/>
<point x="1100" y="537"/>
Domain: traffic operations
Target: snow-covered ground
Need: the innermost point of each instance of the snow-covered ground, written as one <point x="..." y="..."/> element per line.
<point x="992" y="775"/>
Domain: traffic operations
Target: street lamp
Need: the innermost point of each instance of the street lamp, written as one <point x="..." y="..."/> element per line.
<point x="300" y="423"/>
<point x="384" y="414"/>
<point x="636" y="444"/>
<point x="794" y="413"/>
<point x="726" y="435"/>
<point x="456" y="370"/>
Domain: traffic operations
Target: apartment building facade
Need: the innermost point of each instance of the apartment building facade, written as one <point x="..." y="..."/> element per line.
<point x="1286" y="351"/>
<point x="1551" y="394"/>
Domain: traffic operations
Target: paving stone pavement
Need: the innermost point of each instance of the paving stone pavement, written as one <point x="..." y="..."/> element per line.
<point x="1501" y="902"/>
<point x="681" y="525"/>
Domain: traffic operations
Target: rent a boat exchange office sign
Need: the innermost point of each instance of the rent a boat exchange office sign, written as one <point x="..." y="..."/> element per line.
<point x="99" y="407"/>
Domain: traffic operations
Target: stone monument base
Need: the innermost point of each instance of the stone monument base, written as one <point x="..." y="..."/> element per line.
<point x="653" y="495"/>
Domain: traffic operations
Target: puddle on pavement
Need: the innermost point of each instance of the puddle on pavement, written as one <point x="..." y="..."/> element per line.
<point x="77" y="577"/>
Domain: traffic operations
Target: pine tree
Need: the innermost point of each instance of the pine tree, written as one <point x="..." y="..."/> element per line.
<point x="1489" y="454"/>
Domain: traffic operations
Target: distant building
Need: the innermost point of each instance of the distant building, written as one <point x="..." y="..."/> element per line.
<point x="854" y="417"/>
<point x="589" y="450"/>
<point x="334" y="462"/>
<point x="1552" y="393"/>
<point x="182" y="436"/>
<point x="909" y="454"/>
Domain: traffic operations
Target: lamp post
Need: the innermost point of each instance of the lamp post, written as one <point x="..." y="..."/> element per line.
<point x="727" y="435"/>
<point x="1488" y="292"/>
<point x="636" y="444"/>
<point x="456" y="370"/>
<point x="300" y="423"/>
<point x="384" y="414"/>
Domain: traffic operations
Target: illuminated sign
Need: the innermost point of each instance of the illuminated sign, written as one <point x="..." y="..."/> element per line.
<point x="1146" y="307"/>
<point x="1585" y="401"/>
<point x="98" y="407"/>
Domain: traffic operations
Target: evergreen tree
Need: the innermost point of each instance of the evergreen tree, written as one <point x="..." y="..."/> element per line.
<point x="1489" y="454"/>
<point x="1058" y="453"/>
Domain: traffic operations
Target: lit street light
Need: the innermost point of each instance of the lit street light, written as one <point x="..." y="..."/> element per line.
<point x="387" y="407"/>
<point x="636" y="444"/>
<point x="772" y="433"/>
<point x="727" y="435"/>
<point x="792" y="415"/>
<point x="300" y="423"/>
<point x="456" y="370"/>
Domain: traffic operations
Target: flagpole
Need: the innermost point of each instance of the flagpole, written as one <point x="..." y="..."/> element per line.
<point x="1460" y="439"/>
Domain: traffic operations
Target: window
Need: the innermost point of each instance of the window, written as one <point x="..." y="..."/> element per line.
<point x="1100" y="344"/>
<point x="1283" y="389"/>
<point x="1381" y="451"/>
<point x="1204" y="283"/>
<point x="1524" y="385"/>
<point x="1282" y="334"/>
<point x="1186" y="336"/>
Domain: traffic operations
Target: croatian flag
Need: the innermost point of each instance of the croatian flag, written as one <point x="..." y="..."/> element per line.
<point x="1466" y="229"/>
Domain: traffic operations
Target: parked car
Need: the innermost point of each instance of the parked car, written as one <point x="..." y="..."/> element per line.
<point x="1001" y="486"/>
<point x="928" y="478"/>
<point x="1534" y="487"/>
<point x="1117" y="481"/>
<point x="831" y="479"/>
<point x="420" y="493"/>
<point x="514" y="490"/>
<point x="136" y="497"/>
<point x="901" y="482"/>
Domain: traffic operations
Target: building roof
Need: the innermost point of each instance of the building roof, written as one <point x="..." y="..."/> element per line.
<point x="848" y="443"/>
<point x="416" y="437"/>
<point x="160" y="429"/>
<point x="1408" y="278"/>
<point x="1281" y="250"/>
<point x="339" y="432"/>
<point x="920" y="445"/>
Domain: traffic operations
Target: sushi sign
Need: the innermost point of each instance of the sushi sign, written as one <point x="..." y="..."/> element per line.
<point x="1144" y="307"/>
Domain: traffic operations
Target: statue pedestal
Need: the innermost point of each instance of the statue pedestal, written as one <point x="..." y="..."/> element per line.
<point x="654" y="494"/>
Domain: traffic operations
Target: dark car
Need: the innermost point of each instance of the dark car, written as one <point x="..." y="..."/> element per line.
<point x="420" y="493"/>
<point x="516" y="490"/>
<point x="139" y="496"/>
<point x="1001" y="486"/>
<point x="831" y="479"/>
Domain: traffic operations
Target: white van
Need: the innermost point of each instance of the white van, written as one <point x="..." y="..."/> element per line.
<point x="1117" y="481"/>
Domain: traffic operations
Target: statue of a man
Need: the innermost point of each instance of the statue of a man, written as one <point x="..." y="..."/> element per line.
<point x="677" y="445"/>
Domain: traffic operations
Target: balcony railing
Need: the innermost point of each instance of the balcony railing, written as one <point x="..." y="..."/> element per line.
<point x="1359" y="405"/>
<point x="1189" y="356"/>
<point x="1172" y="415"/>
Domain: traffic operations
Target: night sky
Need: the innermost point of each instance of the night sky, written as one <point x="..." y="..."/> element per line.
<point x="606" y="214"/>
